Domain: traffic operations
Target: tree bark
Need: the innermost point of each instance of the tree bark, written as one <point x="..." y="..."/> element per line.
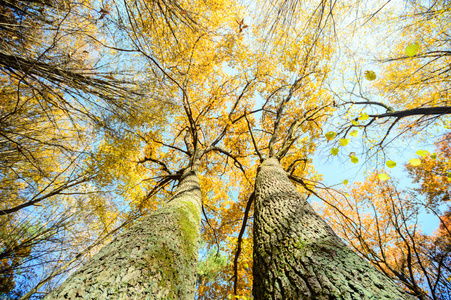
<point x="156" y="258"/>
<point x="298" y="256"/>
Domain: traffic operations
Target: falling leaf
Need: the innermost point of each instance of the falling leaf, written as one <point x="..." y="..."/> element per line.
<point x="330" y="135"/>
<point x="345" y="182"/>
<point x="354" y="159"/>
<point x="344" y="142"/>
<point x="241" y="25"/>
<point x="370" y="75"/>
<point x="390" y="164"/>
<point x="412" y="49"/>
<point x="383" y="176"/>
<point x="415" y="162"/>
<point x="334" y="151"/>
<point x="103" y="12"/>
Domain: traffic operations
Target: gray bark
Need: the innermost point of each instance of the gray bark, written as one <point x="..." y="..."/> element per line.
<point x="298" y="256"/>
<point x="156" y="258"/>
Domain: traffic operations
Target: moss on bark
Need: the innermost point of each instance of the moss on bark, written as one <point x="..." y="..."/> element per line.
<point x="156" y="258"/>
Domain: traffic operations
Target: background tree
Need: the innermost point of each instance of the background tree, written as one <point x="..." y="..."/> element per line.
<point x="56" y="93"/>
<point x="381" y="223"/>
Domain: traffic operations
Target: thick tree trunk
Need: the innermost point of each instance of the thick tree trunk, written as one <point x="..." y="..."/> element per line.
<point x="156" y="258"/>
<point x="298" y="256"/>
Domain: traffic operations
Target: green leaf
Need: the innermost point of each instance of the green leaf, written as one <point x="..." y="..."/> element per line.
<point x="363" y="117"/>
<point x="422" y="153"/>
<point x="390" y="164"/>
<point x="334" y="151"/>
<point x="330" y="135"/>
<point x="345" y="182"/>
<point x="353" y="133"/>
<point x="344" y="142"/>
<point x="354" y="159"/>
<point x="412" y="49"/>
<point x="415" y="162"/>
<point x="434" y="156"/>
<point x="370" y="75"/>
<point x="383" y="176"/>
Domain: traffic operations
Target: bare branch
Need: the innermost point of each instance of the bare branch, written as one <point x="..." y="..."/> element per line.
<point x="240" y="239"/>
<point x="253" y="139"/>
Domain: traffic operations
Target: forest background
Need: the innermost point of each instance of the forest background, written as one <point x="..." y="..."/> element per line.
<point x="103" y="104"/>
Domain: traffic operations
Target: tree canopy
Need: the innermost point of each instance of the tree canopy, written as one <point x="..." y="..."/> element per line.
<point x="105" y="104"/>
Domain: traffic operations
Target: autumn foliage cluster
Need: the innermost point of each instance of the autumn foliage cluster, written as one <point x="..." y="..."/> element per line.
<point x="104" y="103"/>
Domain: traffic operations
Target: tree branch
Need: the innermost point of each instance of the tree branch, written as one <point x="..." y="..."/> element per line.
<point x="253" y="139"/>
<point x="33" y="201"/>
<point x="423" y="111"/>
<point x="240" y="239"/>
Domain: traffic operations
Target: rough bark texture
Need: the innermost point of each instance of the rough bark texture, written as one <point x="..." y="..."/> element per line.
<point x="156" y="258"/>
<point x="298" y="256"/>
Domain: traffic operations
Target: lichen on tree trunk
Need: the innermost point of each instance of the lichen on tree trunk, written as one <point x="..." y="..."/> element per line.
<point x="298" y="256"/>
<point x="156" y="258"/>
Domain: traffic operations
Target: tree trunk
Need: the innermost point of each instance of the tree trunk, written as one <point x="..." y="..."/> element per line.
<point x="298" y="256"/>
<point x="156" y="258"/>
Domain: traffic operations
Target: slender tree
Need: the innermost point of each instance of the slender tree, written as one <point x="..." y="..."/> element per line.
<point x="381" y="223"/>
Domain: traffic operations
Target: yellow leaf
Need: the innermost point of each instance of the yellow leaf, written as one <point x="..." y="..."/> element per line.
<point x="370" y="75"/>
<point x="412" y="49"/>
<point x="415" y="162"/>
<point x="344" y="142"/>
<point x="330" y="135"/>
<point x="363" y="117"/>
<point x="390" y="164"/>
<point x="422" y="153"/>
<point x="383" y="176"/>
